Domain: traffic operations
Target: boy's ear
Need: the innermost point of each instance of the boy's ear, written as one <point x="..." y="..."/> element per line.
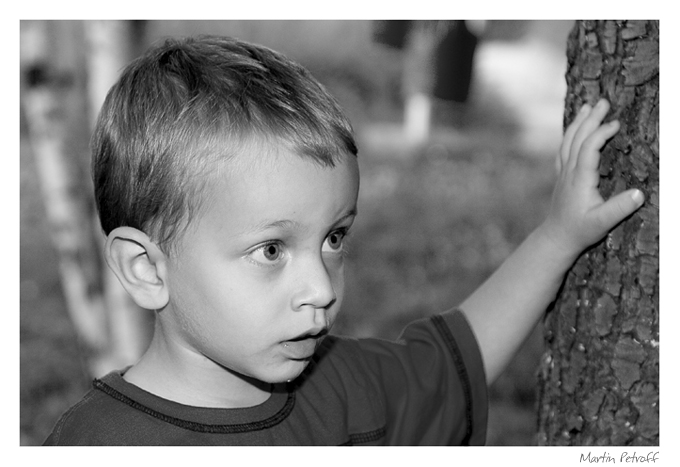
<point x="139" y="265"/>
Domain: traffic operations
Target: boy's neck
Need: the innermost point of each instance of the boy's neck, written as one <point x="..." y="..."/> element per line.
<point x="174" y="374"/>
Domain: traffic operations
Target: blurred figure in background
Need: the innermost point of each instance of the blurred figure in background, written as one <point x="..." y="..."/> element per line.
<point x="438" y="59"/>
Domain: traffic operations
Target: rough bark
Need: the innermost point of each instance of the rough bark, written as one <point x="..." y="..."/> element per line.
<point x="599" y="376"/>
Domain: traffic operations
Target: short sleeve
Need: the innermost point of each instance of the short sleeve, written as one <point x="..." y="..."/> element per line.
<point x="432" y="382"/>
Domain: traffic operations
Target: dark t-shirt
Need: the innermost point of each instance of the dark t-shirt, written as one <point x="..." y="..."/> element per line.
<point x="427" y="388"/>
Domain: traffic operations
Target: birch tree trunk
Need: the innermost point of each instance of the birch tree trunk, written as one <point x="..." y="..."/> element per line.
<point x="55" y="102"/>
<point x="599" y="376"/>
<point x="110" y="46"/>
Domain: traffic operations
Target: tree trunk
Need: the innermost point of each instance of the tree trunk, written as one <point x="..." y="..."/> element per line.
<point x="54" y="109"/>
<point x="55" y="101"/>
<point x="599" y="376"/>
<point x="111" y="45"/>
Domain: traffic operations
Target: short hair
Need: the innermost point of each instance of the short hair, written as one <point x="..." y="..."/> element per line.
<point x="188" y="103"/>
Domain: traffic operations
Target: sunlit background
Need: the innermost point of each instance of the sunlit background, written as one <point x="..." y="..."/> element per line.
<point x="456" y="171"/>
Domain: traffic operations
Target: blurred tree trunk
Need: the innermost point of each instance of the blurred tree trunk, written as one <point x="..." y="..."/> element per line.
<point x="111" y="46"/>
<point x="599" y="376"/>
<point x="54" y="61"/>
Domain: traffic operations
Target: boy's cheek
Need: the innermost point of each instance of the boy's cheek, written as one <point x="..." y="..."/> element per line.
<point x="336" y="271"/>
<point x="335" y="264"/>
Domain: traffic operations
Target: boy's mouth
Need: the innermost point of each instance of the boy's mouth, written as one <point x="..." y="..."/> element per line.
<point x="303" y="346"/>
<point x="311" y="334"/>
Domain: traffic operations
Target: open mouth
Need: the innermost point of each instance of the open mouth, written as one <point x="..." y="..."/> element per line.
<point x="303" y="346"/>
<point x="310" y="335"/>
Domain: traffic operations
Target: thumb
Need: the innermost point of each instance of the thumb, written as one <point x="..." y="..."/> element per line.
<point x="619" y="207"/>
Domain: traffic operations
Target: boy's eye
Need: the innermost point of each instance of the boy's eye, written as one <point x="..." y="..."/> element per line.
<point x="271" y="252"/>
<point x="334" y="240"/>
<point x="268" y="253"/>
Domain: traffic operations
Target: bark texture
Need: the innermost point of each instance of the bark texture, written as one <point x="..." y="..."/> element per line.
<point x="599" y="375"/>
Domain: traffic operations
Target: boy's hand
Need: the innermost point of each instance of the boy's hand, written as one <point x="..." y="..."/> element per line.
<point x="578" y="215"/>
<point x="506" y="307"/>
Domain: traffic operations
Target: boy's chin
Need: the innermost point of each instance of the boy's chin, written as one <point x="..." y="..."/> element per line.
<point x="286" y="373"/>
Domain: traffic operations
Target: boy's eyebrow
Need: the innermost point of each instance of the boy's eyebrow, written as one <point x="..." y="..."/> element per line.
<point x="266" y="225"/>
<point x="351" y="213"/>
<point x="288" y="224"/>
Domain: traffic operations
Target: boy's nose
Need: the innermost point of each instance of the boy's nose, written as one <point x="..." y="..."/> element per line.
<point x="315" y="286"/>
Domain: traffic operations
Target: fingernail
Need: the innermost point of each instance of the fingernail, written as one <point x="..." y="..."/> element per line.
<point x="638" y="197"/>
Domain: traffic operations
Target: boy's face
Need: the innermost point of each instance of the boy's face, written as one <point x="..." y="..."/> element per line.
<point x="258" y="279"/>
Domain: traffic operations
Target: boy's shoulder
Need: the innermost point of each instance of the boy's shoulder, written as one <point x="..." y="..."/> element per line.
<point x="99" y="419"/>
<point x="432" y="375"/>
<point x="83" y="423"/>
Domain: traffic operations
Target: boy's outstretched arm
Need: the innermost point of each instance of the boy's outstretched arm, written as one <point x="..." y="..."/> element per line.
<point x="505" y="309"/>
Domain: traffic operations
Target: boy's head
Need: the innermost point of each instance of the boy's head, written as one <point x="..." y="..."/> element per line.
<point x="187" y="104"/>
<point x="251" y="151"/>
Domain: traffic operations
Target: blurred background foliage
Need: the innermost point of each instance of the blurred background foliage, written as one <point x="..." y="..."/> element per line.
<point x="437" y="216"/>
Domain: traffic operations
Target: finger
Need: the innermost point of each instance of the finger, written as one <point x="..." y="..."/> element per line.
<point x="618" y="208"/>
<point x="589" y="157"/>
<point x="569" y="134"/>
<point x="589" y="125"/>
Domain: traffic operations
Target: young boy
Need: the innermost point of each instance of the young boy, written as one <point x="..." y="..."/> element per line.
<point x="226" y="180"/>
